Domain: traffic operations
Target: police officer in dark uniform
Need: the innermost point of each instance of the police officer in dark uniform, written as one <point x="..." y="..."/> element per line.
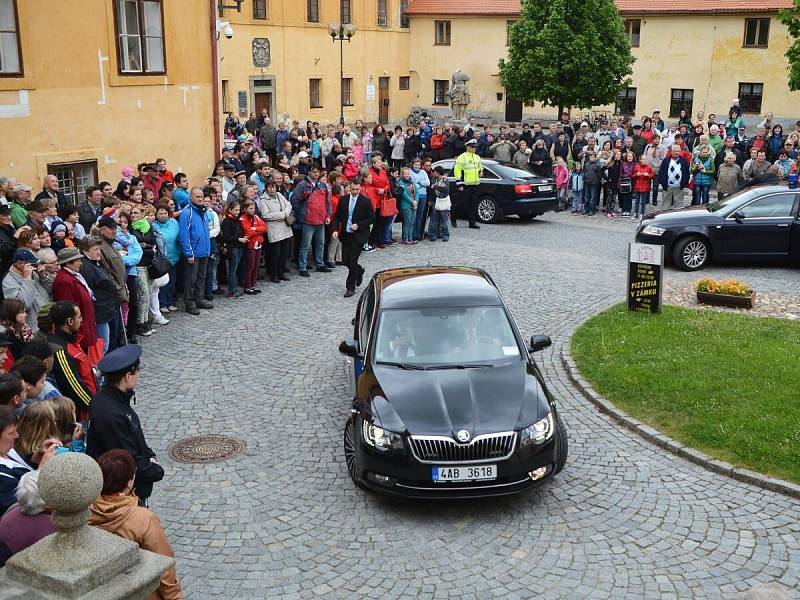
<point x="114" y="424"/>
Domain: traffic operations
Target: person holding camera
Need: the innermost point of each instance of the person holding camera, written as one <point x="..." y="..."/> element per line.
<point x="25" y="281"/>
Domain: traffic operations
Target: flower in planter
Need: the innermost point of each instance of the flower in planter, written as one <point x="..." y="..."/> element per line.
<point x="729" y="287"/>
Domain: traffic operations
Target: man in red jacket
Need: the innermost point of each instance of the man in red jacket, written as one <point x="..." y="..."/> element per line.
<point x="70" y="285"/>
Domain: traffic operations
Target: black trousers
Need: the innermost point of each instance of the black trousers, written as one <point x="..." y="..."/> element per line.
<point x="471" y="200"/>
<point x="194" y="281"/>
<point x="351" y="252"/>
<point x="277" y="255"/>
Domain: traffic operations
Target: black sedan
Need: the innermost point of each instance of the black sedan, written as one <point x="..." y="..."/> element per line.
<point x="756" y="224"/>
<point x="447" y="400"/>
<point x="504" y="190"/>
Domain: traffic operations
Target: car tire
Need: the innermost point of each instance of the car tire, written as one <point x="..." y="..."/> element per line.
<point x="528" y="217"/>
<point x="351" y="454"/>
<point x="691" y="253"/>
<point x="488" y="210"/>
<point x="562" y="446"/>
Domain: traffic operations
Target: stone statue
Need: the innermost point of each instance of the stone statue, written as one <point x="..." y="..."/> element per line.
<point x="459" y="94"/>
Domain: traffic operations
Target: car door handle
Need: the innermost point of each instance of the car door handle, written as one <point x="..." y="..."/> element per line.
<point x="783" y="224"/>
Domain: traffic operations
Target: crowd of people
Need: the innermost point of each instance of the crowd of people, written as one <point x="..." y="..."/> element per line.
<point x="81" y="283"/>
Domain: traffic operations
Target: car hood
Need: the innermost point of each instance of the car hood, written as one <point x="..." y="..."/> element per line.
<point x="484" y="400"/>
<point x="694" y="215"/>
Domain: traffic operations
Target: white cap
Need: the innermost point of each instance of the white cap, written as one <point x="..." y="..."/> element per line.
<point x="302" y="154"/>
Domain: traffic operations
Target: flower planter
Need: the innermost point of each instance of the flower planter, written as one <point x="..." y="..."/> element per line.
<point x="727" y="300"/>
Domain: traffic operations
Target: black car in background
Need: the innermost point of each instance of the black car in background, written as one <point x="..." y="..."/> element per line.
<point x="756" y="224"/>
<point x="504" y="190"/>
<point x="447" y="399"/>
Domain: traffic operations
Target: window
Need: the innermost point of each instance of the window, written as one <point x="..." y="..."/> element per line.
<point x="626" y="101"/>
<point x="634" y="29"/>
<point x="508" y="32"/>
<point x="314" y="96"/>
<point x="680" y="99"/>
<point x="259" y="9"/>
<point x="226" y="104"/>
<point x="442" y="37"/>
<point x="347" y="85"/>
<point x="140" y="35"/>
<point x="313" y="11"/>
<point x="405" y="83"/>
<point x="780" y="205"/>
<point x="750" y="95"/>
<point x="74" y="178"/>
<point x="756" y="33"/>
<point x="440" y="89"/>
<point x="383" y="13"/>
<point x="10" y="55"/>
<point x="404" y="14"/>
<point x="344" y="11"/>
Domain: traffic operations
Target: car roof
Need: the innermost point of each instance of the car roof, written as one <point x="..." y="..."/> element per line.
<point x="425" y="287"/>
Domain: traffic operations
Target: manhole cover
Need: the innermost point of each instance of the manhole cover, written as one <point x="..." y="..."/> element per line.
<point x="205" y="449"/>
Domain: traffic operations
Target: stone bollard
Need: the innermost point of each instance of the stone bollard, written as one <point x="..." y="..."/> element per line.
<point x="78" y="561"/>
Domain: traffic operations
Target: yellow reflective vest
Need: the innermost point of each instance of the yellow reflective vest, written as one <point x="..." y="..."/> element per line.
<point x="468" y="168"/>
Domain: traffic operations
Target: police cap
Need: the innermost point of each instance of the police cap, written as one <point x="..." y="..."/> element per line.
<point x="120" y="359"/>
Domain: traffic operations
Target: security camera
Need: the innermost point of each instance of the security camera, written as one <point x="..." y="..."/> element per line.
<point x="228" y="31"/>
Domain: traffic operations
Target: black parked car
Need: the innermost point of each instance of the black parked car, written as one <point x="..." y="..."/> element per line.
<point x="504" y="190"/>
<point x="448" y="401"/>
<point x="758" y="224"/>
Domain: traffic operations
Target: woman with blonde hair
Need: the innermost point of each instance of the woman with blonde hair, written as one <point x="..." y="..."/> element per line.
<point x="37" y="424"/>
<point x="70" y="432"/>
<point x="29" y="238"/>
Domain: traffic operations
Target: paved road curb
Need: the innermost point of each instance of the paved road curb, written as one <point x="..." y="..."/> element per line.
<point x="659" y="439"/>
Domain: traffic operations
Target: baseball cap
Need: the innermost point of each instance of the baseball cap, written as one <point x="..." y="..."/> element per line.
<point x="302" y="154"/>
<point x="23" y="254"/>
<point x="471" y="143"/>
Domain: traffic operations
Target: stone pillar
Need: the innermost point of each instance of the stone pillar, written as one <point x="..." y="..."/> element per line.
<point x="79" y="562"/>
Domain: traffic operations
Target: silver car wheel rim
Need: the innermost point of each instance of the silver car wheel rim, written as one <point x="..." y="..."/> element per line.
<point x="694" y="255"/>
<point x="350" y="450"/>
<point x="486" y="209"/>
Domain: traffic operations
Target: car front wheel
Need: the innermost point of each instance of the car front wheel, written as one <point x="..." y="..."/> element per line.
<point x="351" y="454"/>
<point x="691" y="253"/>
<point x="488" y="210"/>
<point x="562" y="446"/>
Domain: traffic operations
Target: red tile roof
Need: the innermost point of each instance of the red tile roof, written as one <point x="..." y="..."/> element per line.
<point x="511" y="7"/>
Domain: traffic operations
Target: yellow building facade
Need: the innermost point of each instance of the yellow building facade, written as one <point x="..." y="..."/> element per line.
<point x="95" y="85"/>
<point x="301" y="79"/>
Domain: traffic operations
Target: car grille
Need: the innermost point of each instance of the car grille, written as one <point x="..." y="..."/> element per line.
<point x="443" y="450"/>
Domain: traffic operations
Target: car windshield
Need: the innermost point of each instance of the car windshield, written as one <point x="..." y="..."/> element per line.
<point x="734" y="200"/>
<point x="464" y="336"/>
<point x="512" y="172"/>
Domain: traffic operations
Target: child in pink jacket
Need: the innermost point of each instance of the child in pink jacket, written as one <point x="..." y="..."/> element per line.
<point x="561" y="175"/>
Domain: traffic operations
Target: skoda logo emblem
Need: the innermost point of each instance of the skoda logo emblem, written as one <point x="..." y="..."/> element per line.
<point x="462" y="436"/>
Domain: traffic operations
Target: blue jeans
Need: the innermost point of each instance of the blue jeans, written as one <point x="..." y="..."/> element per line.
<point x="439" y="218"/>
<point x="104" y="333"/>
<point x="211" y="268"/>
<point x="577" y="200"/>
<point x="387" y="229"/>
<point x="409" y="216"/>
<point x="166" y="293"/>
<point x="591" y="193"/>
<point x="419" y="219"/>
<point x="315" y="234"/>
<point x="641" y="202"/>
<point x="234" y="257"/>
<point x="115" y="331"/>
<point x="654" y="193"/>
<point x="700" y="195"/>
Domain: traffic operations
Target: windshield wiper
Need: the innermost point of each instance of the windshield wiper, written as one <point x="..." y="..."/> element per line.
<point x="399" y="365"/>
<point x="459" y="366"/>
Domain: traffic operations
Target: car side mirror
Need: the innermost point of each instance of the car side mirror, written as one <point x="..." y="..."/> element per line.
<point x="738" y="217"/>
<point x="540" y="342"/>
<point x="349" y="348"/>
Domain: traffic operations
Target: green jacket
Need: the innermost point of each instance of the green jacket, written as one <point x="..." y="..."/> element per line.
<point x="19" y="214"/>
<point x="468" y="168"/>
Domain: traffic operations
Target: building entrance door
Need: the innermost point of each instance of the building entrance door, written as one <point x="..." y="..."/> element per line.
<point x="513" y="110"/>
<point x="383" y="100"/>
<point x="263" y="100"/>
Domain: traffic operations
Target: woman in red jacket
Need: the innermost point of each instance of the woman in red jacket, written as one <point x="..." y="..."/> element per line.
<point x="254" y="229"/>
<point x="642" y="182"/>
<point x="70" y="285"/>
<point x="437" y="143"/>
<point x="380" y="190"/>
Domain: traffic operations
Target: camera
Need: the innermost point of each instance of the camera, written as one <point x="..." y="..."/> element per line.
<point x="228" y="31"/>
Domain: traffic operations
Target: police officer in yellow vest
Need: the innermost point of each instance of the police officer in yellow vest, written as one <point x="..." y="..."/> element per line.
<point x="468" y="171"/>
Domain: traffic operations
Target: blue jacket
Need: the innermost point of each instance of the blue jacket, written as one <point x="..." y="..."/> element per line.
<point x="193" y="235"/>
<point x="280" y="138"/>
<point x="169" y="231"/>
<point x="130" y="244"/>
<point x="181" y="198"/>
<point x="663" y="179"/>
<point x="11" y="471"/>
<point x="421" y="183"/>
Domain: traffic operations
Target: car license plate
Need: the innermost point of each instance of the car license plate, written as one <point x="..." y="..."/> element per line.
<point x="465" y="473"/>
<point x="545" y="188"/>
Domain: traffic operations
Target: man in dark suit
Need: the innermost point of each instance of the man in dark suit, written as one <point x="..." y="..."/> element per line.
<point x="354" y="214"/>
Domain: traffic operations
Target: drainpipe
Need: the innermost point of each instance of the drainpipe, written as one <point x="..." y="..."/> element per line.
<point x="215" y="75"/>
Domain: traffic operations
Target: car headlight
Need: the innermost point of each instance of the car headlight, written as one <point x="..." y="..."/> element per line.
<point x="539" y="432"/>
<point x="653" y="230"/>
<point x="380" y="438"/>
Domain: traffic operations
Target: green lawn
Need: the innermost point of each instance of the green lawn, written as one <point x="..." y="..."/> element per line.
<point x="723" y="383"/>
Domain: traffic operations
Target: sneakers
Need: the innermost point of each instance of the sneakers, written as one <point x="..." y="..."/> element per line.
<point x="164" y="310"/>
<point x="172" y="308"/>
<point x="145" y="330"/>
<point x="369" y="248"/>
<point x="160" y="321"/>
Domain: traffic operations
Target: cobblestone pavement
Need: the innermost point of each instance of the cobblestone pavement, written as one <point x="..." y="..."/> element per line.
<point x="623" y="520"/>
